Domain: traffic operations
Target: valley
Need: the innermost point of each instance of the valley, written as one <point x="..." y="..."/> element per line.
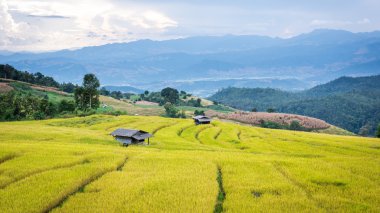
<point x="110" y="106"/>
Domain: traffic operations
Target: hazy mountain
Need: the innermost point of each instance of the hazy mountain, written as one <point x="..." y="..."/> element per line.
<point x="203" y="65"/>
<point x="347" y="102"/>
<point x="125" y="89"/>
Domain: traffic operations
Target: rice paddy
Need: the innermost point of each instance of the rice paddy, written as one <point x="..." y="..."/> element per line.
<point x="74" y="165"/>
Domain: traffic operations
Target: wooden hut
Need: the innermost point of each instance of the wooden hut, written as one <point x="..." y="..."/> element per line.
<point x="130" y="136"/>
<point x="201" y="119"/>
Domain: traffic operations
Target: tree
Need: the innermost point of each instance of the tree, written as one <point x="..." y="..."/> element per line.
<point x="146" y="93"/>
<point x="170" y="110"/>
<point x="67" y="87"/>
<point x="66" y="106"/>
<point x="254" y="110"/>
<point x="90" y="86"/>
<point x="364" y="130"/>
<point x="104" y="91"/>
<point x="199" y="103"/>
<point x="170" y="95"/>
<point x="270" y="110"/>
<point x="199" y="112"/>
<point x="79" y="97"/>
<point x="116" y="94"/>
<point x="378" y="131"/>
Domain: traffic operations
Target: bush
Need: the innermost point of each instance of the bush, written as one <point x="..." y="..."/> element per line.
<point x="39" y="116"/>
<point x="25" y="106"/>
<point x="117" y="113"/>
<point x="199" y="112"/>
<point x="295" y="125"/>
<point x="173" y="112"/>
<point x="271" y="125"/>
<point x="182" y="114"/>
<point x="81" y="113"/>
<point x="66" y="106"/>
<point x="378" y="131"/>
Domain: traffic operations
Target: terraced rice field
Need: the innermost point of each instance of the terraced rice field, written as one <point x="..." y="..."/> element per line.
<point x="74" y="165"/>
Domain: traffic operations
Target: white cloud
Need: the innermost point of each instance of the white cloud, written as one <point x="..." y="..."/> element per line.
<point x="86" y="22"/>
<point x="9" y="29"/>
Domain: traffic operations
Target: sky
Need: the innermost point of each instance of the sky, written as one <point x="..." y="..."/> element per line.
<point x="47" y="25"/>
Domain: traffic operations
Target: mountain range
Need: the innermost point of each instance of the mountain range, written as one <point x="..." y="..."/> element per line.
<point x="347" y="102"/>
<point x="203" y="65"/>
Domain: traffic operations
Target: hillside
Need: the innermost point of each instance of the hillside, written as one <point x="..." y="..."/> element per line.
<point x="202" y="65"/>
<point x="108" y="105"/>
<point x="350" y="103"/>
<point x="20" y="85"/>
<point x="134" y="106"/>
<point x="66" y="165"/>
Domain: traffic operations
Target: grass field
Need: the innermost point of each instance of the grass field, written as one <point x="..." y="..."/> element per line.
<point x="74" y="165"/>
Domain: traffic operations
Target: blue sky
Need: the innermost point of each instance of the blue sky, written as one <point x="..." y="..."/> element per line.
<point x="41" y="25"/>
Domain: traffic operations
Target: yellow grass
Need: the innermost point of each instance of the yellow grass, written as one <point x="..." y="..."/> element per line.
<point x="74" y="165"/>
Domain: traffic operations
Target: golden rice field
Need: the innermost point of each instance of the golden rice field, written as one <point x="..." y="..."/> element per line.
<point x="74" y="165"/>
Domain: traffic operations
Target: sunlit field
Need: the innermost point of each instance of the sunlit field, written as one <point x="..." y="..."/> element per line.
<point x="74" y="165"/>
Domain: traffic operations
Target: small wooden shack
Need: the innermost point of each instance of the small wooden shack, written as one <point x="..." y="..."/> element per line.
<point x="201" y="119"/>
<point x="130" y="136"/>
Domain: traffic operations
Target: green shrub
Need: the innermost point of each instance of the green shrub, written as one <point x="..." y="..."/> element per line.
<point x="295" y="125"/>
<point x="199" y="112"/>
<point x="271" y="125"/>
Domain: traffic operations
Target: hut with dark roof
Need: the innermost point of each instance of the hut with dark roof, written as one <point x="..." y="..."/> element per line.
<point x="201" y="119"/>
<point x="130" y="136"/>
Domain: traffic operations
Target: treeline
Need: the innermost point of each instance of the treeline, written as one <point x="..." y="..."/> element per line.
<point x="168" y="94"/>
<point x="294" y="125"/>
<point x="350" y="103"/>
<point x="115" y="94"/>
<point x="9" y="72"/>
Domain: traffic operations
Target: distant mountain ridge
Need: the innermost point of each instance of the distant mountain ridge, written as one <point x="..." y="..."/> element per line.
<point x="345" y="85"/>
<point x="310" y="59"/>
<point x="125" y="89"/>
<point x="347" y="102"/>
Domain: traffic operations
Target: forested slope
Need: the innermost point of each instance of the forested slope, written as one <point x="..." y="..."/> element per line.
<point x="350" y="103"/>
